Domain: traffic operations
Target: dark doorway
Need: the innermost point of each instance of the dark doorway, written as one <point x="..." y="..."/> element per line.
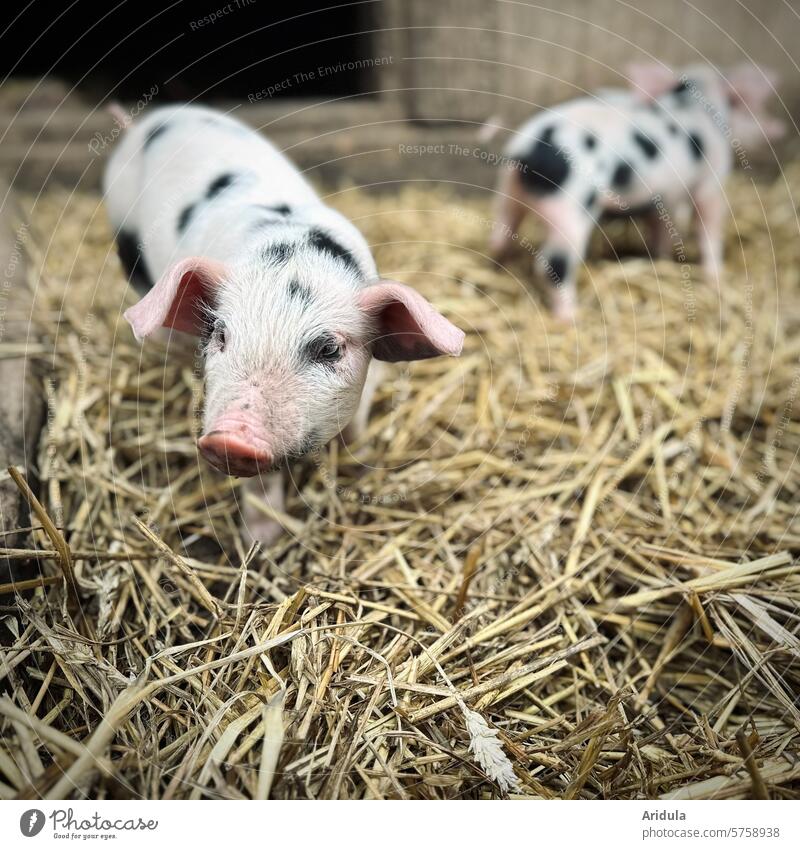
<point x="186" y="50"/>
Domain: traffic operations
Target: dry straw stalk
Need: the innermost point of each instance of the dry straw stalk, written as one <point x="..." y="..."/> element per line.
<point x="578" y="544"/>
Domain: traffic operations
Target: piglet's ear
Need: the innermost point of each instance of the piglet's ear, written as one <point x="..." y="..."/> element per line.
<point x="749" y="89"/>
<point x="650" y="80"/>
<point x="751" y="85"/>
<point x="408" y="327"/>
<point x="177" y="299"/>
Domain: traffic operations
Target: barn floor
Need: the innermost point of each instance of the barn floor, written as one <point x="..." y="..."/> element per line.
<point x="572" y="552"/>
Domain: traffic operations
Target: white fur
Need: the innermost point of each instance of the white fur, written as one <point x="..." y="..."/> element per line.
<point x="146" y="190"/>
<point x="198" y="191"/>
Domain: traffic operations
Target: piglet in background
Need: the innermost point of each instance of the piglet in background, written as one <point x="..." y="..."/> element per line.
<point x="662" y="148"/>
<point x="224" y="239"/>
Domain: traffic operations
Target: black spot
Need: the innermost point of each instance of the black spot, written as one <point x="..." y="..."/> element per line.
<point x="309" y="443"/>
<point x="218" y="334"/>
<point x="130" y="256"/>
<point x="219" y="184"/>
<point x="545" y="168"/>
<point x="696" y="146"/>
<point x="279" y="209"/>
<point x="557" y="268"/>
<point x="279" y="252"/>
<point x="321" y="241"/>
<point x="648" y="147"/>
<point x="154" y="134"/>
<point x="185" y="217"/>
<point x="300" y="292"/>
<point x="591" y="199"/>
<point x="673" y="128"/>
<point x="622" y="176"/>
<point x="683" y="92"/>
<point x="589" y="141"/>
<point x="276" y="214"/>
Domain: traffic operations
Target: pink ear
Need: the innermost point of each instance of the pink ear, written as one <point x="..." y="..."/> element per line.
<point x="176" y="300"/>
<point x="752" y="85"/>
<point x="408" y="327"/>
<point x="773" y="128"/>
<point x="650" y="79"/>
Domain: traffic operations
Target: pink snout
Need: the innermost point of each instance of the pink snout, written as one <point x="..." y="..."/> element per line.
<point x="235" y="453"/>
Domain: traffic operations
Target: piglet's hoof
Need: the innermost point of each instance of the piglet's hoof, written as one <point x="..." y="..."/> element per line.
<point x="566" y="318"/>
<point x="564" y="311"/>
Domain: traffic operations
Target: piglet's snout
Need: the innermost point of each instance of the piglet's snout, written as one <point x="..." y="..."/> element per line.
<point x="236" y="451"/>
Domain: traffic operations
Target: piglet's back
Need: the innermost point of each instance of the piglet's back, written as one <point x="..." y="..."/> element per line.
<point x="169" y="165"/>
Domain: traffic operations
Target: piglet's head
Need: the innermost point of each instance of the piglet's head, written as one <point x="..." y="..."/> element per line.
<point x="286" y="349"/>
<point x="749" y="90"/>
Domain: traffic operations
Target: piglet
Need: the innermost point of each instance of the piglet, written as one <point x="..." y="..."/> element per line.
<point x="224" y="239"/>
<point x="664" y="148"/>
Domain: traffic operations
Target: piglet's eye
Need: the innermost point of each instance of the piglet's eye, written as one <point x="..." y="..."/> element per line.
<point x="325" y="350"/>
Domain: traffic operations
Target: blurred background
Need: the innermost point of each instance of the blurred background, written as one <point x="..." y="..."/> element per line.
<point x="355" y="80"/>
<point x="594" y="528"/>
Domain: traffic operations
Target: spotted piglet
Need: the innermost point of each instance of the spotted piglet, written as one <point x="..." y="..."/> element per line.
<point x="663" y="148"/>
<point x="224" y="239"/>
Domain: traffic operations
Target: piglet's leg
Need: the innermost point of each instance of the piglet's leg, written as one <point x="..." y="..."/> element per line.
<point x="261" y="491"/>
<point x="510" y="207"/>
<point x="682" y="213"/>
<point x="668" y="226"/>
<point x="375" y="375"/>
<point x="710" y="205"/>
<point x="569" y="226"/>
<point x="661" y="232"/>
<point x="671" y="225"/>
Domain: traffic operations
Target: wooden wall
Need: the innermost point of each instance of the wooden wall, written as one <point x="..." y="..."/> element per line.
<point x="454" y="64"/>
<point x="467" y="59"/>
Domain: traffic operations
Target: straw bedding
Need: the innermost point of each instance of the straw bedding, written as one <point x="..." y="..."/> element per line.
<point x="564" y="565"/>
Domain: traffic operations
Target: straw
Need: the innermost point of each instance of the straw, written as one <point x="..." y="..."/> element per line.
<point x="563" y="566"/>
